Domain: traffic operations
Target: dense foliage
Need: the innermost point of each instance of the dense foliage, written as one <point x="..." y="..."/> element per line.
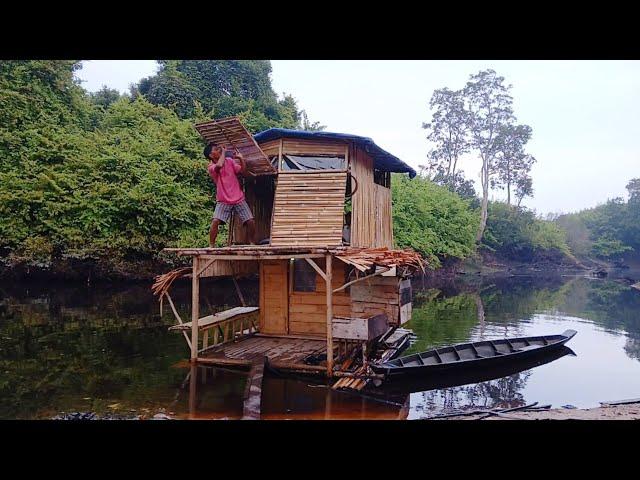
<point x="102" y="177"/>
<point x="516" y="233"/>
<point x="433" y="220"/>
<point x="607" y="231"/>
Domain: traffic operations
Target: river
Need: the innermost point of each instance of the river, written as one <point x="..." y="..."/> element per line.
<point x="105" y="349"/>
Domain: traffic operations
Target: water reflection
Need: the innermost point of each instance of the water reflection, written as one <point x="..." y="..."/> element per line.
<point x="212" y="393"/>
<point x="106" y="349"/>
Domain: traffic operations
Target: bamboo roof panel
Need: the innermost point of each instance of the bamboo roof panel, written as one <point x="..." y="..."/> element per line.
<point x="229" y="131"/>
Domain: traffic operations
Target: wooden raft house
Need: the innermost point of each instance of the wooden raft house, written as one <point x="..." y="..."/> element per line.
<point x="333" y="291"/>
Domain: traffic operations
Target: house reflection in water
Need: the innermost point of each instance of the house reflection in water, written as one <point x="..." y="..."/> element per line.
<point x="215" y="393"/>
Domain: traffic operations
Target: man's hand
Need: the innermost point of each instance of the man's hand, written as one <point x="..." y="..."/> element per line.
<point x="243" y="164"/>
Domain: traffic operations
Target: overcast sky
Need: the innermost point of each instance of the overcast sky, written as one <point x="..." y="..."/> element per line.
<point x="585" y="115"/>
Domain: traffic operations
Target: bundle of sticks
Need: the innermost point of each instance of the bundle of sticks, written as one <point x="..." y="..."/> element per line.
<point x="365" y="258"/>
<point x="163" y="282"/>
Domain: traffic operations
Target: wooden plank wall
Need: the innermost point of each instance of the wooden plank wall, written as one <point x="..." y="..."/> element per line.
<point x="236" y="268"/>
<point x="273" y="297"/>
<point x="270" y="148"/>
<point x="308" y="310"/>
<point x="309" y="209"/>
<point x="296" y="146"/>
<point x="376" y="295"/>
<point x="371" y="206"/>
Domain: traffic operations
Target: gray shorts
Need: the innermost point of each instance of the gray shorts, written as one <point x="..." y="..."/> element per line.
<point x="223" y="211"/>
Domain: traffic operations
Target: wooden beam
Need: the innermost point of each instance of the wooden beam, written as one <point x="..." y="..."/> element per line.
<point x="329" y="274"/>
<point x="195" y="309"/>
<point x="264" y="257"/>
<point x="175" y="312"/>
<point x="360" y="279"/>
<point x="224" y="361"/>
<point x="207" y="265"/>
<point x="316" y="268"/>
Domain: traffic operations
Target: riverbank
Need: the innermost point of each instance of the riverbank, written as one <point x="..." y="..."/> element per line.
<point x="145" y="269"/>
<point x="606" y="412"/>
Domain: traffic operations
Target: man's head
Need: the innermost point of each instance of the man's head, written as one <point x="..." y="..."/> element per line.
<point x="212" y="151"/>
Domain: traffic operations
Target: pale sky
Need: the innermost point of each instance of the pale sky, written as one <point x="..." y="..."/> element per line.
<point x="585" y="115"/>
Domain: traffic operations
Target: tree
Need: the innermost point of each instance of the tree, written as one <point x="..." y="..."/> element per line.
<point x="456" y="183"/>
<point x="448" y="131"/>
<point x="307" y="125"/>
<point x="490" y="109"/>
<point x="105" y="96"/>
<point x="524" y="188"/>
<point x="223" y="88"/>
<point x="169" y="88"/>
<point x="633" y="187"/>
<point x="512" y="163"/>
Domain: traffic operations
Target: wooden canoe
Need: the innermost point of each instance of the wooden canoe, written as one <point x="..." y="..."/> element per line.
<point x="465" y="356"/>
<point x="404" y="384"/>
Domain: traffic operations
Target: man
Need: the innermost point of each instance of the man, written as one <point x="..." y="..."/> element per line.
<point x="224" y="171"/>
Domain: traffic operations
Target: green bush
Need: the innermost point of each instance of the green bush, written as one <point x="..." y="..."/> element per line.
<point x="516" y="233"/>
<point x="432" y="220"/>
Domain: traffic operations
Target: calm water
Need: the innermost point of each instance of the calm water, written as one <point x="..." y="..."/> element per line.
<point x="105" y="349"/>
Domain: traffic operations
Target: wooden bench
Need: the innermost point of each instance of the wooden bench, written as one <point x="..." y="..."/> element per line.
<point x="211" y="321"/>
<point x="228" y="326"/>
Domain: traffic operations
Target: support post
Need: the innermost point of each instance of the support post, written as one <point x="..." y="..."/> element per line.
<point x="195" y="309"/>
<point x="328" y="276"/>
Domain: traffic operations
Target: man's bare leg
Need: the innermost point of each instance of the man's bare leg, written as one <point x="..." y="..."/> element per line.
<point x="251" y="231"/>
<point x="213" y="233"/>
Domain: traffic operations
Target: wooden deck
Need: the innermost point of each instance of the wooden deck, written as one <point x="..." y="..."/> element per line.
<point x="282" y="353"/>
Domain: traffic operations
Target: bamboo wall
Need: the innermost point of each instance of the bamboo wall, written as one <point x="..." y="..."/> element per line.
<point x="371" y="206"/>
<point x="309" y="209"/>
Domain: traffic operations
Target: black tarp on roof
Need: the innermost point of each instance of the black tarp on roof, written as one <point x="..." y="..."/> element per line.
<point x="383" y="160"/>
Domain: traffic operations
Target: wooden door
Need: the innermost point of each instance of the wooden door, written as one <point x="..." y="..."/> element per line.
<point x="274" y="305"/>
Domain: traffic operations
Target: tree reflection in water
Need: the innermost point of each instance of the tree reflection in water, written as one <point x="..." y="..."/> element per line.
<point x="500" y="393"/>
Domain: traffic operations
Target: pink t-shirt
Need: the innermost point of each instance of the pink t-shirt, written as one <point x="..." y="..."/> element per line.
<point x="227" y="185"/>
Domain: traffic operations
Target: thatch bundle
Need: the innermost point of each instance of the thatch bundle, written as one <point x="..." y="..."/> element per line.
<point x="163" y="282"/>
<point x="365" y="258"/>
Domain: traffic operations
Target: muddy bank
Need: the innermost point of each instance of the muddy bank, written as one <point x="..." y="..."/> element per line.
<point x="611" y="412"/>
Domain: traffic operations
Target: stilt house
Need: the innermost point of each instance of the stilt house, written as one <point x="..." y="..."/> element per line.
<point x="329" y="277"/>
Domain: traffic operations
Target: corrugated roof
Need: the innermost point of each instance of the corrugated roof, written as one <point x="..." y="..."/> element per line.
<point x="383" y="160"/>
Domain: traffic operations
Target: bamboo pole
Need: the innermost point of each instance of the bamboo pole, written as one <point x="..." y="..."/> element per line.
<point x="195" y="310"/>
<point x="329" y="275"/>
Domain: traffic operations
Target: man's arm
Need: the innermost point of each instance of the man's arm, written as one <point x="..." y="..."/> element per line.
<point x="243" y="164"/>
<point x="221" y="158"/>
